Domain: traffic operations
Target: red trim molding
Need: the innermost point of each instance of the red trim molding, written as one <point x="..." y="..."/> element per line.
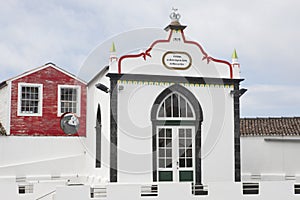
<point x="205" y="55"/>
<point x="147" y="53"/>
<point x="143" y="54"/>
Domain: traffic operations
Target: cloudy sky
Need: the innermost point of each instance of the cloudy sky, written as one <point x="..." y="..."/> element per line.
<point x="264" y="32"/>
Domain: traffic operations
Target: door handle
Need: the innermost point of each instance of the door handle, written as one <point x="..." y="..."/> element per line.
<point x="177" y="164"/>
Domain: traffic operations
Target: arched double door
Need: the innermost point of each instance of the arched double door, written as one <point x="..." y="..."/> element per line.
<point x="176" y="118"/>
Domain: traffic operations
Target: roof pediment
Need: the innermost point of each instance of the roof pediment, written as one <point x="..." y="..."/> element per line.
<point x="175" y="56"/>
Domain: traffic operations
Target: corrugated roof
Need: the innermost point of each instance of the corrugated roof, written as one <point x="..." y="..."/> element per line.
<point x="281" y="126"/>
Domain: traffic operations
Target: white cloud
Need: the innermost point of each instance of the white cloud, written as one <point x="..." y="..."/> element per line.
<point x="36" y="33"/>
<point x="271" y="100"/>
<point x="264" y="32"/>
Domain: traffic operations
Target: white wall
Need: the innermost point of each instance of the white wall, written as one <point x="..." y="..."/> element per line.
<point x="274" y="190"/>
<point x="217" y="134"/>
<point x="73" y="192"/>
<point x="270" y="159"/>
<point x="95" y="97"/>
<point x="4" y="107"/>
<point x="44" y="188"/>
<point x="135" y="132"/>
<point x="25" y="155"/>
<point x="216" y="191"/>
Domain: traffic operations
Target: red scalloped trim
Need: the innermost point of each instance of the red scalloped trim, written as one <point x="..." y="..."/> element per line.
<point x="147" y="53"/>
<point x="143" y="54"/>
<point x="208" y="58"/>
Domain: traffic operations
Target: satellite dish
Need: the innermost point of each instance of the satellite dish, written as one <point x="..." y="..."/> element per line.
<point x="69" y="123"/>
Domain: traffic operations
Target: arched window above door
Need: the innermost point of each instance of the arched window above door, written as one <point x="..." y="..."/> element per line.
<point x="176" y="117"/>
<point x="175" y="107"/>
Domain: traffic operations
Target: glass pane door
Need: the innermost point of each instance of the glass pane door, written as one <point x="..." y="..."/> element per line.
<point x="185" y="154"/>
<point x="175" y="153"/>
<point x="165" y="155"/>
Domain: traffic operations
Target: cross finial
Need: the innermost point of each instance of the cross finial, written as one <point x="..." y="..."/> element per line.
<point x="174" y="9"/>
<point x="174" y="25"/>
<point x="175" y="16"/>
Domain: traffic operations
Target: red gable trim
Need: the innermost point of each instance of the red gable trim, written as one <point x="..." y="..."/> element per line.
<point x="208" y="58"/>
<point x="43" y="67"/>
<point x="147" y="53"/>
<point x="143" y="54"/>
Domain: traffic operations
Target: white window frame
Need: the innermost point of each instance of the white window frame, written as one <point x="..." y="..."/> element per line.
<point x="40" y="103"/>
<point x="175" y="151"/>
<point x="78" y="88"/>
<point x="175" y="118"/>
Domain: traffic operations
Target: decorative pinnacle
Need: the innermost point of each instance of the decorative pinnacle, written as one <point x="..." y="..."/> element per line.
<point x="234" y="55"/>
<point x="113" y="48"/>
<point x="175" y="25"/>
<point x="175" y="16"/>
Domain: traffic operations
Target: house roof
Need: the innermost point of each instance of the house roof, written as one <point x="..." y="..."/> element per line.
<point x="281" y="126"/>
<point x="102" y="71"/>
<point x="4" y="83"/>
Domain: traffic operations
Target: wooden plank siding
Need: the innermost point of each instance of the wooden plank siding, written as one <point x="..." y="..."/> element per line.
<point x="49" y="123"/>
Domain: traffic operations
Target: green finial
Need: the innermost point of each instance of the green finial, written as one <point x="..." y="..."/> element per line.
<point x="113" y="48"/>
<point x="234" y="55"/>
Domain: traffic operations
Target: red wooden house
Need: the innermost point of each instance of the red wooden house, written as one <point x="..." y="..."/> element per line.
<point x="34" y="102"/>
